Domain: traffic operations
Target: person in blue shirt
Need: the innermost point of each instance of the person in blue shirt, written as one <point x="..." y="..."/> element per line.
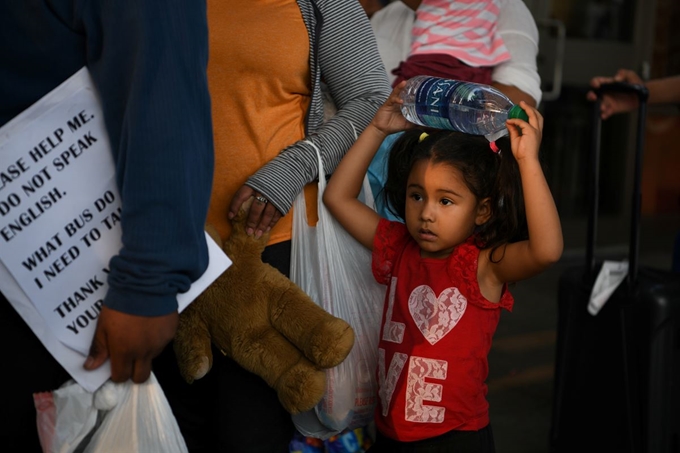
<point x="148" y="62"/>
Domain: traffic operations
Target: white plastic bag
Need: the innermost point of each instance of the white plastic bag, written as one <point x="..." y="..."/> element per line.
<point x="64" y="417"/>
<point x="335" y="270"/>
<point x="117" y="418"/>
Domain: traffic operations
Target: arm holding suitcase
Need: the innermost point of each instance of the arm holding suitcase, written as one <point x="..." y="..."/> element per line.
<point x="661" y="91"/>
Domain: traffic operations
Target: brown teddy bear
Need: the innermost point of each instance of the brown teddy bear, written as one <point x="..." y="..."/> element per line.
<point x="266" y="323"/>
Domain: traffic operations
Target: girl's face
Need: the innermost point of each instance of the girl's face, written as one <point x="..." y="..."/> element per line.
<point x="441" y="212"/>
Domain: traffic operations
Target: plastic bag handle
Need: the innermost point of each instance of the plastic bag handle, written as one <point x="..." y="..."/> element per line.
<point x="369" y="200"/>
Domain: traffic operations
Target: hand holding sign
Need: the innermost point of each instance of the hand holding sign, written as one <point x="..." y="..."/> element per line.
<point x="60" y="215"/>
<point x="129" y="332"/>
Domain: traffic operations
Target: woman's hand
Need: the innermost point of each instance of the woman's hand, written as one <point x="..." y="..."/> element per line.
<point x="262" y="215"/>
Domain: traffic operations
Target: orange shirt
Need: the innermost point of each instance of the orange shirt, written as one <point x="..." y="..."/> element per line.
<point x="259" y="80"/>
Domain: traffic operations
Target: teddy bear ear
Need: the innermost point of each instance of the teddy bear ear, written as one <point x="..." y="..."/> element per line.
<point x="212" y="232"/>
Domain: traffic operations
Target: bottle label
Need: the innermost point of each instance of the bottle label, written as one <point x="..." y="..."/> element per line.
<point x="432" y="102"/>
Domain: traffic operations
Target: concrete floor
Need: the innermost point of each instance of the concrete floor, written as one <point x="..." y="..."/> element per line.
<point x="522" y="358"/>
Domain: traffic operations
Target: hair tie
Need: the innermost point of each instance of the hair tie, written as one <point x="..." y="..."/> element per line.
<point x="494" y="147"/>
<point x="423" y="136"/>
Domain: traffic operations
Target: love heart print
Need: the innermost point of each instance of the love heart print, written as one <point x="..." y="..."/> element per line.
<point x="436" y="316"/>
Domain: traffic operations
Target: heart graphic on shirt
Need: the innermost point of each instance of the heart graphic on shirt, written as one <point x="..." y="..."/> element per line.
<point x="436" y="316"/>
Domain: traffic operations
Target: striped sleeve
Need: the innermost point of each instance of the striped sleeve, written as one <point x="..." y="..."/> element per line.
<point x="349" y="63"/>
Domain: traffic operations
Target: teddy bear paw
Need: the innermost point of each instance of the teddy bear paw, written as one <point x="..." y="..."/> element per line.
<point x="301" y="388"/>
<point x="194" y="369"/>
<point x="331" y="343"/>
<point x="202" y="368"/>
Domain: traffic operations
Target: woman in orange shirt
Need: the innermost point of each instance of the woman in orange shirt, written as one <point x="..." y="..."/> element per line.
<point x="267" y="62"/>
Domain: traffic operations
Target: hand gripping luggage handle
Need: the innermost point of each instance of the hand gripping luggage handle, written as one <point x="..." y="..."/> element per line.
<point x="642" y="94"/>
<point x="640" y="91"/>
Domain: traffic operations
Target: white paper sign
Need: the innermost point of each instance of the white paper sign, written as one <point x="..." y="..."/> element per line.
<point x="60" y="220"/>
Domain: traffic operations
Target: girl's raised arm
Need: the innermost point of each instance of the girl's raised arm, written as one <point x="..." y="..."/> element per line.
<point x="525" y="259"/>
<point x="345" y="183"/>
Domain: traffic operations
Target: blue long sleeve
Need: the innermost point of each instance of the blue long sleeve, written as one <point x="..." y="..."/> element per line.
<point x="148" y="60"/>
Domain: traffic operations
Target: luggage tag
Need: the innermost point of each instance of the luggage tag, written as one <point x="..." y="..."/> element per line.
<point x="610" y="277"/>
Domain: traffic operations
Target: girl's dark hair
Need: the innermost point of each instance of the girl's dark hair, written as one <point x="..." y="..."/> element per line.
<point x="486" y="174"/>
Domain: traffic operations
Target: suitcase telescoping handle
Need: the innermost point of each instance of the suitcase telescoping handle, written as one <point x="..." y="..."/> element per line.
<point x="642" y="94"/>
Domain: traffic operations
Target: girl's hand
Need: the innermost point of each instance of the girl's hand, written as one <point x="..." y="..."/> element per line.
<point x="525" y="138"/>
<point x="388" y="119"/>
<point x="262" y="215"/>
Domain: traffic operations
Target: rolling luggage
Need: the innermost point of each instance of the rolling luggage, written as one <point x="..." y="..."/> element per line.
<point x="617" y="374"/>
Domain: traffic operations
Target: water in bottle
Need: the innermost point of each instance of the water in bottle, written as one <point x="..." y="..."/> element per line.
<point x="467" y="107"/>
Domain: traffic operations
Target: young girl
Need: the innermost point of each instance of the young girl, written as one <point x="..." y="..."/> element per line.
<point x="475" y="220"/>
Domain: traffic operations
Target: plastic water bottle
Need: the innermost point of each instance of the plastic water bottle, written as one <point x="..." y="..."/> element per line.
<point x="467" y="107"/>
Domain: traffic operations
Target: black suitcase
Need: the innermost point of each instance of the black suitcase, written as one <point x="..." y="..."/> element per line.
<point x="617" y="374"/>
